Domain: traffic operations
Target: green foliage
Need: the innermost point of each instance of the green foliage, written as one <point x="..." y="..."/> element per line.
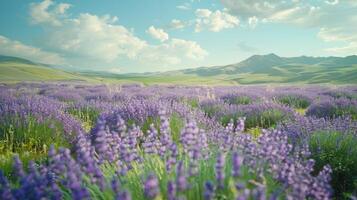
<point x="350" y="110"/>
<point x="17" y="135"/>
<point x="255" y="132"/>
<point x="332" y="110"/>
<point x="176" y="125"/>
<point x="211" y="110"/>
<point x="87" y="115"/>
<point x="133" y="180"/>
<point x="225" y="119"/>
<point x="265" y="119"/>
<point x="340" y="152"/>
<point x="239" y="100"/>
<point x="301" y="111"/>
<point x="150" y="120"/>
<point x="194" y="103"/>
<point x="295" y="101"/>
<point x="29" y="139"/>
<point x="7" y="158"/>
<point x="269" y="118"/>
<point x="340" y="94"/>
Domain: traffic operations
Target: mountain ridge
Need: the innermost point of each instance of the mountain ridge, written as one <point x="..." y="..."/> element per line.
<point x="257" y="63"/>
<point x="257" y="69"/>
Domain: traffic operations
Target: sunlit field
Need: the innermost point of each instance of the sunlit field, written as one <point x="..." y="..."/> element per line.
<point x="72" y="141"/>
<point x="178" y="100"/>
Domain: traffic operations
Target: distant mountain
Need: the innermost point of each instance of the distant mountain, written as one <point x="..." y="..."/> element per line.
<point x="257" y="69"/>
<point x="262" y="64"/>
<point x="271" y="68"/>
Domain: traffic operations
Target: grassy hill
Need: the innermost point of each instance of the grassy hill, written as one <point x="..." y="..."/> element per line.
<point x="258" y="69"/>
<point x="14" y="69"/>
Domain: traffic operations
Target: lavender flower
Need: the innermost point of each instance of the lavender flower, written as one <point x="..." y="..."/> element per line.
<point x="5" y="190"/>
<point x="237" y="161"/>
<point x="208" y="193"/>
<point x="172" y="159"/>
<point x="181" y="179"/>
<point x="151" y="186"/>
<point x="18" y="168"/>
<point x="171" y="190"/>
<point x="220" y="170"/>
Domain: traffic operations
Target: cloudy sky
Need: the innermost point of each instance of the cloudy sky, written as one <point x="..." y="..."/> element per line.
<point x="158" y="35"/>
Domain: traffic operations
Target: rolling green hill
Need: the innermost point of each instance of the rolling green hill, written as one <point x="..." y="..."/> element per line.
<point x="258" y="69"/>
<point x="13" y="69"/>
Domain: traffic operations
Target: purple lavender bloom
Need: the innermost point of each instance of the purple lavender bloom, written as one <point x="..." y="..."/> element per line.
<point x="240" y="186"/>
<point x="171" y="190"/>
<point x="240" y="125"/>
<point x="165" y="138"/>
<point x="189" y="136"/>
<point x="18" y="168"/>
<point x="5" y="190"/>
<point x="115" y="185"/>
<point x="284" y="152"/>
<point x="244" y="195"/>
<point x="172" y="159"/>
<point x="220" y="170"/>
<point x="151" y="142"/>
<point x="194" y="161"/>
<point x="100" y="138"/>
<point x="237" y="161"/>
<point x="259" y="193"/>
<point x="181" y="179"/>
<point x="151" y="186"/>
<point x="209" y="192"/>
<point x="125" y="195"/>
<point x="119" y="195"/>
<point x="54" y="190"/>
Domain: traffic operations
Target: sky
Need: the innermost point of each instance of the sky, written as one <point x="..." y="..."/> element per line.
<point x="135" y="36"/>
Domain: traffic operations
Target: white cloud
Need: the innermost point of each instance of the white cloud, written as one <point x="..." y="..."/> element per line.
<point x="203" y="13"/>
<point x="189" y="48"/>
<point x="253" y="21"/>
<point x="305" y="16"/>
<point x="62" y="7"/>
<point x="332" y="2"/>
<point x="278" y="11"/>
<point x="340" y="34"/>
<point x="184" y="6"/>
<point x="95" y="37"/>
<point x="335" y="19"/>
<point x="258" y="8"/>
<point x="157" y="33"/>
<point x="335" y="34"/>
<point x="173" y="52"/>
<point x="102" y="41"/>
<point x="177" y="24"/>
<point x="214" y="21"/>
<point x="41" y="14"/>
<point x="350" y="48"/>
<point x="15" y="48"/>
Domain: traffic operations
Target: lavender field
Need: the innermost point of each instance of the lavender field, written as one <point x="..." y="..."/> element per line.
<point x="178" y="100"/>
<point x="71" y="141"/>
